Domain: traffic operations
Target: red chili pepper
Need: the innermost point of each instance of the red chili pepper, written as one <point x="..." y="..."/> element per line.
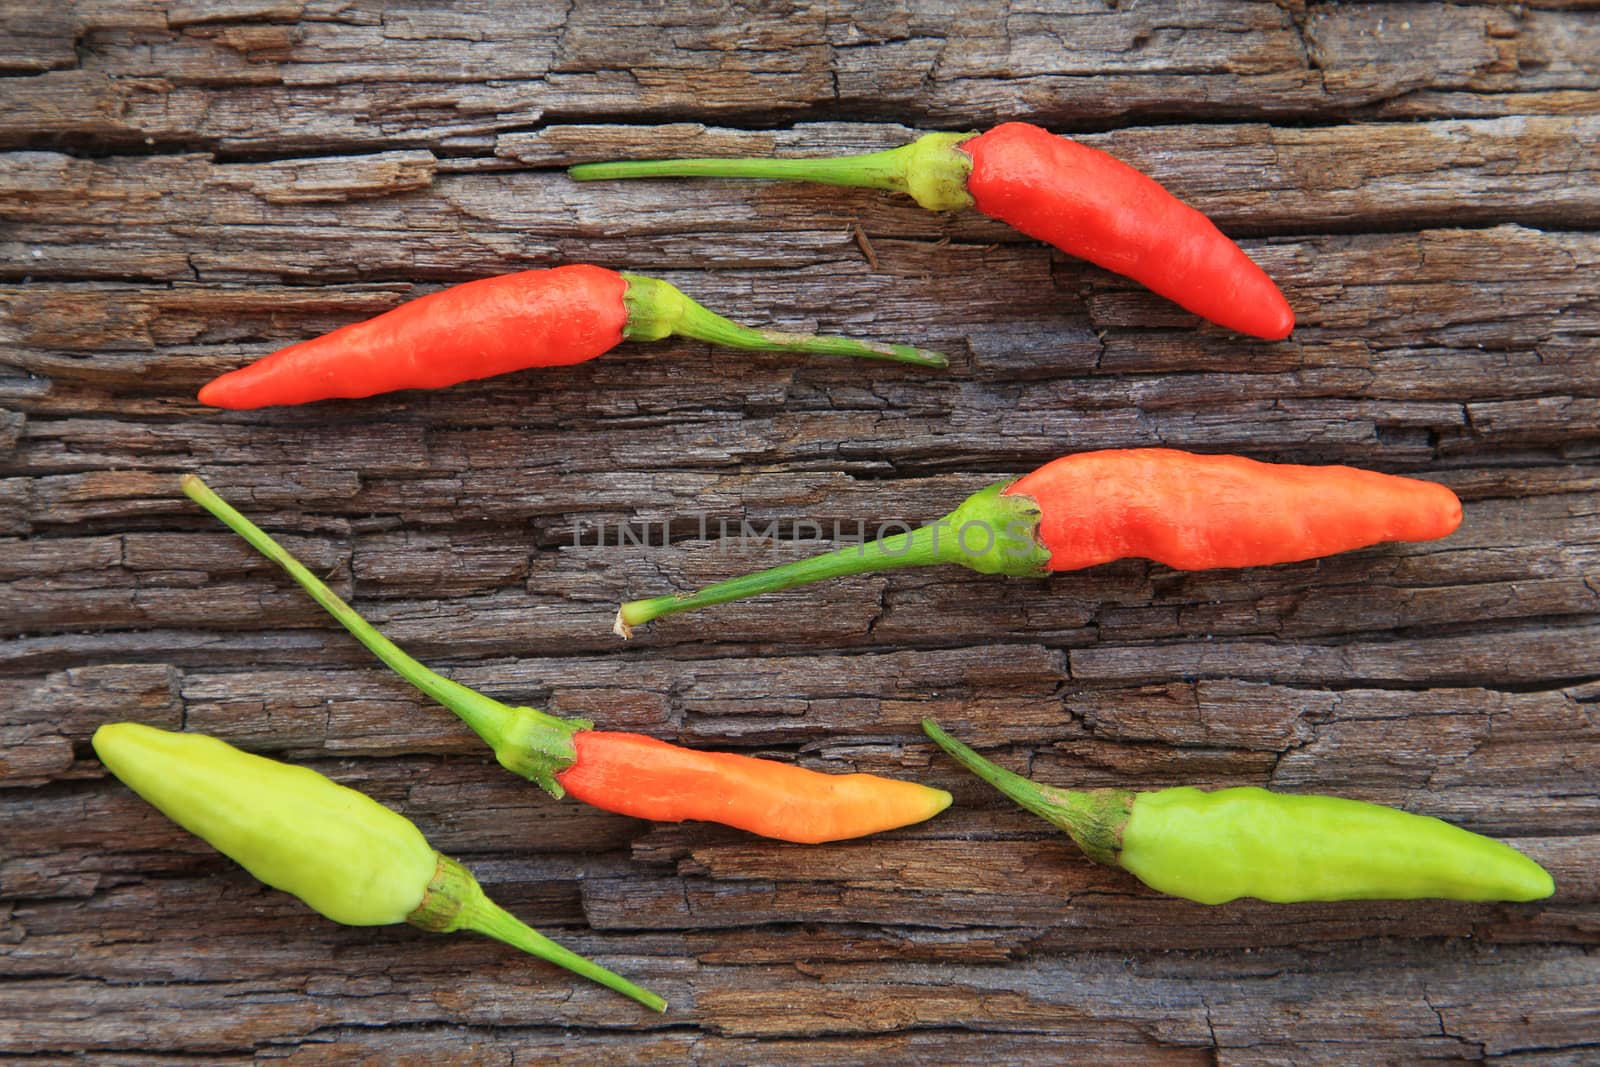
<point x="625" y="772"/>
<point x="1077" y="198"/>
<point x="535" y="318"/>
<point x="1187" y="511"/>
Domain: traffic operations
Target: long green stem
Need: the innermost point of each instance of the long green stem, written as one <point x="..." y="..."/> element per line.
<point x="658" y="309"/>
<point x="930" y="169"/>
<point x="873" y="170"/>
<point x="992" y="532"/>
<point x="1093" y="818"/>
<point x="487" y="917"/>
<point x="454" y="900"/>
<point x="525" y="740"/>
<point x="916" y="548"/>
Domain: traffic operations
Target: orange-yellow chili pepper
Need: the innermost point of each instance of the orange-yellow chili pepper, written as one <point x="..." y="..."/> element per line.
<point x="626" y="772"/>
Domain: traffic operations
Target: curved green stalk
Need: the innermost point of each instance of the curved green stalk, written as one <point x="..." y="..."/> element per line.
<point x="525" y="741"/>
<point x="487" y="917"/>
<point x="1093" y="818"/>
<point x="930" y="169"/>
<point x="658" y="309"/>
<point x="874" y="170"/>
<point x="990" y="532"/>
<point x="916" y="548"/>
<point x="456" y="901"/>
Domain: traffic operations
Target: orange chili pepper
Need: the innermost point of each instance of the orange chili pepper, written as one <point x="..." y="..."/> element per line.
<point x="1188" y="511"/>
<point x="624" y="772"/>
<point x="1195" y="512"/>
<point x="641" y="776"/>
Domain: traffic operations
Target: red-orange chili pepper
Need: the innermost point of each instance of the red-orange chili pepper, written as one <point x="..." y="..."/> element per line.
<point x="641" y="776"/>
<point x="1077" y="198"/>
<point x="1187" y="511"/>
<point x="625" y="772"/>
<point x="535" y="318"/>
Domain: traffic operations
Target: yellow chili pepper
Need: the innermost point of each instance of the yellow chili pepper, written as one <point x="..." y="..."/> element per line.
<point x="344" y="854"/>
<point x="1248" y="842"/>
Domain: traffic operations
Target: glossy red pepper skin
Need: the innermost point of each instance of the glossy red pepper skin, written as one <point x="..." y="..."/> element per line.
<point x="1096" y="207"/>
<point x="1077" y="198"/>
<point x="1196" y="512"/>
<point x="649" y="779"/>
<point x="534" y="318"/>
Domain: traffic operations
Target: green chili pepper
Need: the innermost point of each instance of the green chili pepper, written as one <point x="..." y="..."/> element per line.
<point x="1248" y="842"/>
<point x="340" y="851"/>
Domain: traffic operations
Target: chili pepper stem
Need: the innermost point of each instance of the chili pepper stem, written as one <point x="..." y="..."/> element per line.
<point x="990" y="532"/>
<point x="930" y="169"/>
<point x="456" y="901"/>
<point x="487" y="917"/>
<point x="658" y="309"/>
<point x="1093" y="818"/>
<point x="913" y="549"/>
<point x="525" y="741"/>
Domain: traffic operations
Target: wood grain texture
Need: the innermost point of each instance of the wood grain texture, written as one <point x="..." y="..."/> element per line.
<point x="187" y="186"/>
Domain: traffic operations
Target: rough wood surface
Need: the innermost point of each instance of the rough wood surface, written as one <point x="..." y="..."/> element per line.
<point x="186" y="186"/>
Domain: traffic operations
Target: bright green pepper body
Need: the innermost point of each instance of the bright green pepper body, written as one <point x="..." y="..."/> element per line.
<point x="1213" y="847"/>
<point x="343" y="853"/>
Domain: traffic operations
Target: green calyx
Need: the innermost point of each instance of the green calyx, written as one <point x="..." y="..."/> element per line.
<point x="1094" y="818"/>
<point x="525" y="741"/>
<point x="936" y="171"/>
<point x="995" y="532"/>
<point x="455" y="901"/>
<point x="931" y="169"/>
<point x="445" y="899"/>
<point x="991" y="532"/>
<point x="658" y="309"/>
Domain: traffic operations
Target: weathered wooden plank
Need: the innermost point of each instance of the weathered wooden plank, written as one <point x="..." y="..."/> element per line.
<point x="34" y="39"/>
<point x="1043" y="885"/>
<point x="282" y="77"/>
<point x="901" y="1049"/>
<point x="41" y="725"/>
<point x="1250" y="178"/>
<point x="1376" y="739"/>
<point x="423" y="146"/>
<point x="1016" y="996"/>
<point x="391" y="215"/>
<point x="1487" y="336"/>
<point x="1513" y="561"/>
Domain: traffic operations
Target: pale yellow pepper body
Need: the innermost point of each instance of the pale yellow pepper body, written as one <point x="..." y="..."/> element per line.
<point x="344" y="854"/>
<point x="1248" y="842"/>
<point x="1213" y="847"/>
<point x="340" y="851"/>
